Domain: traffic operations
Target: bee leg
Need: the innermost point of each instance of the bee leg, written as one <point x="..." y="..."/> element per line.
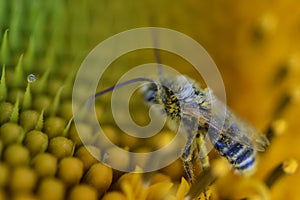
<point x="202" y="151"/>
<point x="191" y="159"/>
<point x="189" y="171"/>
<point x="188" y="166"/>
<point x="187" y="163"/>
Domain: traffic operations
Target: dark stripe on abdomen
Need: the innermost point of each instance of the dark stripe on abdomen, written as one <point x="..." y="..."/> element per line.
<point x="236" y="153"/>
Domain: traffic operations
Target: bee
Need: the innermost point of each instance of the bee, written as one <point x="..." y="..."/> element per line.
<point x="201" y="113"/>
<point x="184" y="101"/>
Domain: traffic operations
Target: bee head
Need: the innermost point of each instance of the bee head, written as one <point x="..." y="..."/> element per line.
<point x="156" y="93"/>
<point x="150" y="92"/>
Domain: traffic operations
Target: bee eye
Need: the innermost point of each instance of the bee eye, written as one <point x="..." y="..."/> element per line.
<point x="150" y="95"/>
<point x="151" y="92"/>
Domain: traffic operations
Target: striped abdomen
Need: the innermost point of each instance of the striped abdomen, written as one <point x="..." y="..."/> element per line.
<point x="241" y="157"/>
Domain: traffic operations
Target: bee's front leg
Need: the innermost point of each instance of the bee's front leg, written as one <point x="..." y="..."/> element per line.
<point x="187" y="162"/>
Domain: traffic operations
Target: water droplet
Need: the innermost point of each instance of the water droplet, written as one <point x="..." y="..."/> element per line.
<point x="31" y="78"/>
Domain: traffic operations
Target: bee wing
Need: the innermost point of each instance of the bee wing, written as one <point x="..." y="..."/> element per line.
<point x="224" y="121"/>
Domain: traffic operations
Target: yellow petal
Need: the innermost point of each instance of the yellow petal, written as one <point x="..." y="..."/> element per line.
<point x="183" y="189"/>
<point x="158" y="191"/>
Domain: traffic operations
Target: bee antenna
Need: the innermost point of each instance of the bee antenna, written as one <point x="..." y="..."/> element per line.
<point x="98" y="94"/>
<point x="91" y="99"/>
<point x="158" y="60"/>
<point x="156" y="54"/>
